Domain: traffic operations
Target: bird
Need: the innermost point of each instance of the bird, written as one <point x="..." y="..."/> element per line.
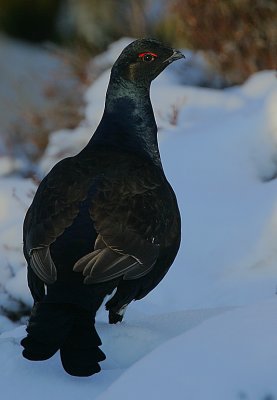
<point x="104" y="222"/>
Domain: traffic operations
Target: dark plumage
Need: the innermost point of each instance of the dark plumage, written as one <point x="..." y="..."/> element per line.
<point x="105" y="219"/>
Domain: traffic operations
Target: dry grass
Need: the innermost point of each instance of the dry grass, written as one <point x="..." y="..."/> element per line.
<point x="29" y="134"/>
<point x="239" y="36"/>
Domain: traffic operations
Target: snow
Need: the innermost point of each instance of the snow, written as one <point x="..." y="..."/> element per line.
<point x="212" y="361"/>
<point x="208" y="331"/>
<point x="15" y="196"/>
<point x="22" y="84"/>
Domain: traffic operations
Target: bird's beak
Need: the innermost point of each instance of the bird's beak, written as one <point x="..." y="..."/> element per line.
<point x="175" y="56"/>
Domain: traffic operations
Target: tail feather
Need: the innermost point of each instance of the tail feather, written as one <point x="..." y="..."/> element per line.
<point x="68" y="328"/>
<point x="80" y="354"/>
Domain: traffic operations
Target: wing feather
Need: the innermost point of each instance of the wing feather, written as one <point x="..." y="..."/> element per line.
<point x="43" y="265"/>
<point x="105" y="266"/>
<point x="128" y="210"/>
<point x="125" y="214"/>
<point x="54" y="208"/>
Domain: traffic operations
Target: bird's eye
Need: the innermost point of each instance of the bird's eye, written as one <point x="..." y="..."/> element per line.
<point x="147" y="57"/>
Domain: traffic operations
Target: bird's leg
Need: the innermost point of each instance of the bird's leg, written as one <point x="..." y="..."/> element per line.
<point x="117" y="316"/>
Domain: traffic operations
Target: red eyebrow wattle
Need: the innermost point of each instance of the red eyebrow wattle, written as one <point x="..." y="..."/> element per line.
<point x="148" y="52"/>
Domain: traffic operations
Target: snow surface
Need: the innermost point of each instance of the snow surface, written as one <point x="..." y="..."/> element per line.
<point x="24" y="69"/>
<point x="209" y="330"/>
<point x="27" y="75"/>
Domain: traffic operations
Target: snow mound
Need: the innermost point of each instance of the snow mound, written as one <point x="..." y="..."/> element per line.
<point x="210" y="354"/>
<point x="228" y="357"/>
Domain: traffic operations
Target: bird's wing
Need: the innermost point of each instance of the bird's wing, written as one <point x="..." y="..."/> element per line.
<point x="54" y="207"/>
<point x="129" y="214"/>
<point x="129" y="210"/>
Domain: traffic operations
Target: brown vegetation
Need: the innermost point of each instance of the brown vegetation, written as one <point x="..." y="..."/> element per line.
<point x="238" y="36"/>
<point x="29" y="134"/>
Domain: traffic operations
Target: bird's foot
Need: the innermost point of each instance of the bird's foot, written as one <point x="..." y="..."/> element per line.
<point x="116" y="316"/>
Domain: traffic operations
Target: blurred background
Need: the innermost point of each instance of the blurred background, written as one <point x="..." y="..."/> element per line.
<point x="217" y="121"/>
<point x="46" y="47"/>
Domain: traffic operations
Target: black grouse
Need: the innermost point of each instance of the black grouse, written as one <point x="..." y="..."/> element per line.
<point x="104" y="219"/>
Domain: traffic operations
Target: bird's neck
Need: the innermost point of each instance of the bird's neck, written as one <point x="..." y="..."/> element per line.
<point x="128" y="121"/>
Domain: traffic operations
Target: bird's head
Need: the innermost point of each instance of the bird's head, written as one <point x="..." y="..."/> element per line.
<point x="143" y="60"/>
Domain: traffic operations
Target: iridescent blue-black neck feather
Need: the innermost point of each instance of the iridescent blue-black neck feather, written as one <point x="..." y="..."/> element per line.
<point x="128" y="121"/>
